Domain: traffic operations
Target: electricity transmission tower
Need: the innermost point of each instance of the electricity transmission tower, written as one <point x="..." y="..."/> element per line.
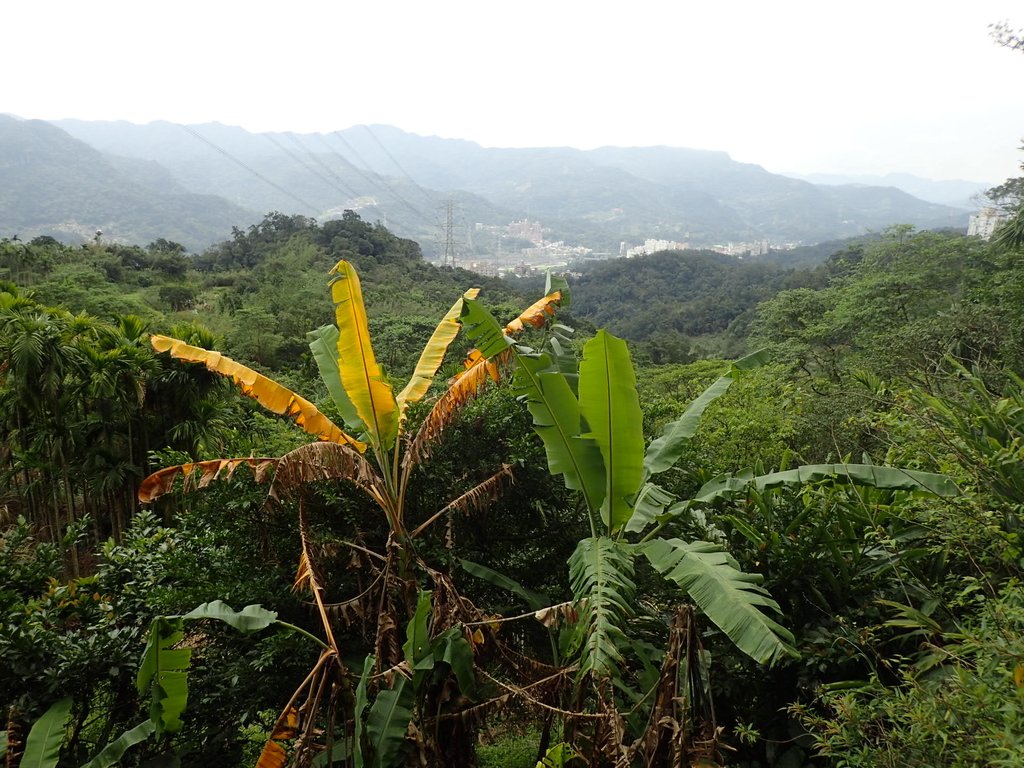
<point x="448" y="257"/>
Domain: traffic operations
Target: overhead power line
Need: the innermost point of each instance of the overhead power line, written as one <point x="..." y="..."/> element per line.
<point x="380" y="180"/>
<point x="395" y="162"/>
<point x="329" y="182"/>
<point x="251" y="170"/>
<point x="372" y="179"/>
<point x="316" y="159"/>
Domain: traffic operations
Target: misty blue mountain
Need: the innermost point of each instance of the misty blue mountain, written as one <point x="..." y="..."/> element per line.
<point x="193" y="183"/>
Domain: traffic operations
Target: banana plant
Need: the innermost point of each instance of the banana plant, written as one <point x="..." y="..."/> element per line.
<point x="592" y="436"/>
<point x="374" y="450"/>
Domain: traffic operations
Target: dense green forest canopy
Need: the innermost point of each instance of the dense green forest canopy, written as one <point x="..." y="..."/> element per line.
<point x="680" y="296"/>
<point x="902" y="605"/>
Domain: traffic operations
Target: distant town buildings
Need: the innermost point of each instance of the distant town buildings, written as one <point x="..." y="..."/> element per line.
<point x="527" y="230"/>
<point x="503" y="257"/>
<point x="756" y="248"/>
<point x="652" y="246"/>
<point x="739" y="250"/>
<point x="556" y="251"/>
<point x="984" y="223"/>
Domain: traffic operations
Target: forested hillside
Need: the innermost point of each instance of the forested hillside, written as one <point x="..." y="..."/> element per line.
<point x="776" y="523"/>
<point x="57" y="186"/>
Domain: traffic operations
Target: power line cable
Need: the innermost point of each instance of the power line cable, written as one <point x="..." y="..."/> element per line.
<point x="251" y="170"/>
<point x="390" y="190"/>
<point x="304" y="203"/>
<point x="401" y="170"/>
<point x="376" y="181"/>
<point x="382" y="181"/>
<point x="304" y="166"/>
<point x="316" y="159"/>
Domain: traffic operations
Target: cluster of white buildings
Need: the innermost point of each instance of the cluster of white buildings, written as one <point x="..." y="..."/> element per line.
<point x="526" y="230"/>
<point x="739" y="250"/>
<point x="756" y="248"/>
<point x="985" y="222"/>
<point x="651" y="246"/>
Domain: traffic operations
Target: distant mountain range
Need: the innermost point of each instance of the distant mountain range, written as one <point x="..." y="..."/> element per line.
<point x="193" y="183"/>
<point x="955" y="192"/>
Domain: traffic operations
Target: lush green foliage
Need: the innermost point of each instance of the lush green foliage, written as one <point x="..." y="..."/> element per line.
<point x="905" y="350"/>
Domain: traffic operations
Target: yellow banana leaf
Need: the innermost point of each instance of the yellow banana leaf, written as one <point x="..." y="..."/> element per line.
<point x="162" y="481"/>
<point x="361" y="376"/>
<point x="266" y="392"/>
<point x="478" y="370"/>
<point x="285" y="729"/>
<point x="433" y="355"/>
<point x="537" y="314"/>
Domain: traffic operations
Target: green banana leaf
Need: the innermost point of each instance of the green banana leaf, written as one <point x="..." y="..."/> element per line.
<point x="650" y="503"/>
<point x="163" y="673"/>
<point x="735" y="601"/>
<point x="482" y="329"/>
<point x="417" y="641"/>
<point x="452" y="648"/>
<point x="111" y="754"/>
<point x="361" y="703"/>
<point x="535" y="600"/>
<point x="323" y="343"/>
<point x="42" y="747"/>
<point x="871" y="475"/>
<point x="551" y="402"/>
<point x="558" y="283"/>
<point x="558" y="756"/>
<point x="601" y="578"/>
<point x="556" y="420"/>
<point x="868" y="475"/>
<point x="387" y="723"/>
<point x="611" y="408"/>
<point x="559" y="346"/>
<point x="252" y="618"/>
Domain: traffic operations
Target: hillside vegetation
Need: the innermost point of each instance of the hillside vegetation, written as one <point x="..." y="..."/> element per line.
<point x="778" y="527"/>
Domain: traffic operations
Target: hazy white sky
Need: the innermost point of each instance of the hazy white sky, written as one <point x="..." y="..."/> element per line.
<point x="793" y="85"/>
